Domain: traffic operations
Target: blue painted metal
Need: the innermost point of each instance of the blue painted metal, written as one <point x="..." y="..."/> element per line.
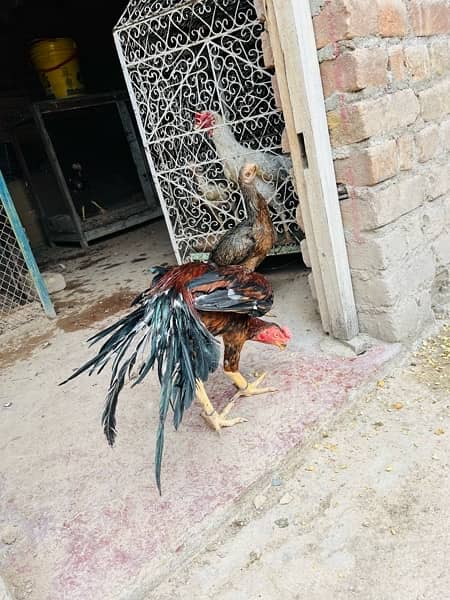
<point x="22" y="240"/>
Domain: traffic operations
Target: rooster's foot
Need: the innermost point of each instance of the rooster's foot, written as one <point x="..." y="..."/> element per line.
<point x="218" y="420"/>
<point x="214" y="419"/>
<point x="252" y="388"/>
<point x="249" y="389"/>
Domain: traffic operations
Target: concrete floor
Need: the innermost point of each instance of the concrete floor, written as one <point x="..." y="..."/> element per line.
<point x="362" y="514"/>
<point x="87" y="521"/>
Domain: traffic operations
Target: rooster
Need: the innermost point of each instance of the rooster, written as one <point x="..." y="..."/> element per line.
<point x="78" y="184"/>
<point x="273" y="167"/>
<point x="173" y="327"/>
<point x="248" y="243"/>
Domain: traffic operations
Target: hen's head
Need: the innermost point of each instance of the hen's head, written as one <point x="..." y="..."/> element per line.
<point x="206" y="120"/>
<point x="271" y="333"/>
<point x="248" y="173"/>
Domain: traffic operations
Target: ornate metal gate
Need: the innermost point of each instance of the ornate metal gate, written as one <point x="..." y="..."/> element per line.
<point x="204" y="103"/>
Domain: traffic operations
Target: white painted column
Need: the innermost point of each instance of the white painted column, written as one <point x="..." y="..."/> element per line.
<point x="289" y="23"/>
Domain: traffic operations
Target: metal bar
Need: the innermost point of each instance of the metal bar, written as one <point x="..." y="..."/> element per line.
<point x="28" y="181"/>
<point x="141" y="167"/>
<point x="50" y="150"/>
<point x="25" y="248"/>
<point x="119" y="28"/>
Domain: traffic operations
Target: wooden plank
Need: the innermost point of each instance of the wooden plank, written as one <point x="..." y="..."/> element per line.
<point x="25" y="248"/>
<point x="56" y="167"/>
<point x="29" y="186"/>
<point x="81" y="101"/>
<point x="122" y="224"/>
<point x="138" y="158"/>
<point x="298" y="159"/>
<point x="303" y="105"/>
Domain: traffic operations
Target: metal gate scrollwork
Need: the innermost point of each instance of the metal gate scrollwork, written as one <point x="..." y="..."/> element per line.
<point x="204" y="104"/>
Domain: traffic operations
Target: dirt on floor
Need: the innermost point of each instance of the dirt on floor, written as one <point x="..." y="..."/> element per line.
<point x="104" y="307"/>
<point x="21" y="348"/>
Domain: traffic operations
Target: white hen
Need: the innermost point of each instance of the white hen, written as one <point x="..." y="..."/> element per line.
<point x="274" y="168"/>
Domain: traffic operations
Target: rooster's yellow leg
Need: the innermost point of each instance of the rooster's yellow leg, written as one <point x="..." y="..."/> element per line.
<point x="214" y="419"/>
<point x="249" y="389"/>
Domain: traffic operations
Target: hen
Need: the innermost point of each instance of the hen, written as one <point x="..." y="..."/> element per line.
<point x="172" y="328"/>
<point x="274" y="168"/>
<point x="209" y="190"/>
<point x="248" y="243"/>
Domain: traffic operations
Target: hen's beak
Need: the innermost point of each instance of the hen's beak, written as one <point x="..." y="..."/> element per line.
<point x="282" y="346"/>
<point x="258" y="172"/>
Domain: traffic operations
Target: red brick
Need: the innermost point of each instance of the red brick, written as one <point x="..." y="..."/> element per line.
<point x="417" y="62"/>
<point x="397" y="63"/>
<point x="438" y="181"/>
<point x="377" y="207"/>
<point x="406" y="152"/>
<point x="427" y="142"/>
<point x="345" y="19"/>
<point x="367" y="118"/>
<point x="440" y="57"/>
<point x="445" y="134"/>
<point x="267" y="50"/>
<point x="441" y="249"/>
<point x="378" y="249"/>
<point x="368" y="167"/>
<point x="354" y="71"/>
<point x="392" y="18"/>
<point x="430" y="17"/>
<point x="435" y="101"/>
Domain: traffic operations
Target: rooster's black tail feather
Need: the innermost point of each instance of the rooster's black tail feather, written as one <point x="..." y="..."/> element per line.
<point x="163" y="331"/>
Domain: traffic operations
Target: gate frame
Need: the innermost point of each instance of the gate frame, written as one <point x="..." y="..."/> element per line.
<point x="290" y="27"/>
<point x="25" y="248"/>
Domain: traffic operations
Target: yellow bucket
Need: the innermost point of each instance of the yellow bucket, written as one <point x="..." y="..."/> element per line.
<point x="56" y="61"/>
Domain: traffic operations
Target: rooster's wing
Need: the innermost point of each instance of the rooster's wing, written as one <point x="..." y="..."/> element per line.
<point x="233" y="289"/>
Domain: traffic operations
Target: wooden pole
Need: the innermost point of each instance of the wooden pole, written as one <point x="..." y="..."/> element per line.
<point x="289" y="23"/>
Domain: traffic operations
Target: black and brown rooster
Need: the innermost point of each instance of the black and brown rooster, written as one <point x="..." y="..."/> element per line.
<point x="172" y="328"/>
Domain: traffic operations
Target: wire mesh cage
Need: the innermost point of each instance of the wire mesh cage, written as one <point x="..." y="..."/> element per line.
<point x="205" y="106"/>
<point x="17" y="288"/>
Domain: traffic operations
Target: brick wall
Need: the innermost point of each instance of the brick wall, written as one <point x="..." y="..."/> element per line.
<point x="385" y="68"/>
